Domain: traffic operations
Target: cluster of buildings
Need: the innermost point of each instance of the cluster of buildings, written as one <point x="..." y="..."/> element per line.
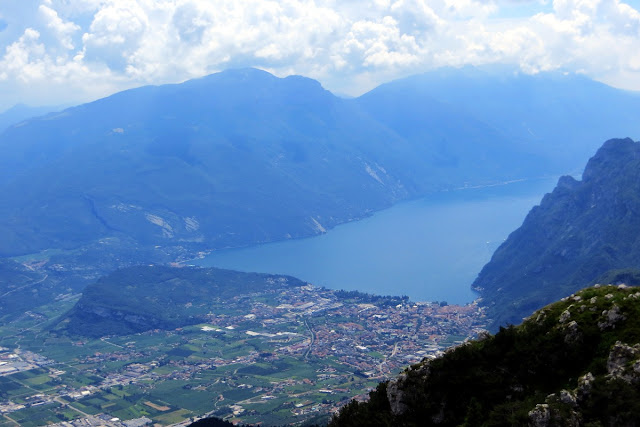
<point x="374" y="338"/>
<point x="12" y="362"/>
<point x="355" y="337"/>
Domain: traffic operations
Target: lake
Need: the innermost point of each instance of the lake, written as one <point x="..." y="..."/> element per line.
<point x="429" y="249"/>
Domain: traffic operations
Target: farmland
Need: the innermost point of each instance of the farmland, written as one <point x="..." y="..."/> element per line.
<point x="280" y="356"/>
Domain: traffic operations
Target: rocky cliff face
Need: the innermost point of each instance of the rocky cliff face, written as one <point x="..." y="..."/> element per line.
<point x="579" y="232"/>
<point x="573" y="363"/>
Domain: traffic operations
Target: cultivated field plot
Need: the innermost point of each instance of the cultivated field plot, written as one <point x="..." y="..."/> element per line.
<point x="278" y="357"/>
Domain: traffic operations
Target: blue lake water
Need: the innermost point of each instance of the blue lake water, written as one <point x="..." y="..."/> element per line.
<point x="429" y="249"/>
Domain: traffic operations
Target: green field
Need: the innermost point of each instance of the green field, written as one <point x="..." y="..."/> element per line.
<point x="44" y="414"/>
<point x="169" y="376"/>
<point x="179" y="395"/>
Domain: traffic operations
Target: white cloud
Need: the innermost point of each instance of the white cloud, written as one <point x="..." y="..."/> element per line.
<point x="97" y="46"/>
<point x="62" y="30"/>
<point x="415" y="16"/>
<point x="116" y="32"/>
<point x="23" y="59"/>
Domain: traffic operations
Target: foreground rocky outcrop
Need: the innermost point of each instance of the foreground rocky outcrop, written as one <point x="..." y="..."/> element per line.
<point x="573" y="363"/>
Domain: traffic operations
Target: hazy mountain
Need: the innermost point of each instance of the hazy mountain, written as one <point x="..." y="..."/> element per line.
<point x="574" y="363"/>
<point x="137" y="299"/>
<point x="455" y="145"/>
<point x="243" y="157"/>
<point x="232" y="159"/>
<point x="562" y="118"/>
<point x="235" y="158"/>
<point x="579" y="232"/>
<point x="20" y="112"/>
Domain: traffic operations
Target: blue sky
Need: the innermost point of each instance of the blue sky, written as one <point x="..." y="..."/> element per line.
<point x="68" y="51"/>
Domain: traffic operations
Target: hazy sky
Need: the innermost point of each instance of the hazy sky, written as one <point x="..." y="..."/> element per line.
<point x="62" y="51"/>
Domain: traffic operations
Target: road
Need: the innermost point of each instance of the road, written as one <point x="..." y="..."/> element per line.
<point x="11" y="419"/>
<point x="25" y="286"/>
<point x="313" y="338"/>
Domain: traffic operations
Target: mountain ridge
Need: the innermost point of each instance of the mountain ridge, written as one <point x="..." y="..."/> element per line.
<point x="243" y="157"/>
<point x="149" y="166"/>
<point x="549" y="114"/>
<point x="579" y="232"/>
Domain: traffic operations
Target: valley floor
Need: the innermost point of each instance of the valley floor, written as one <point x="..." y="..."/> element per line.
<point x="277" y="357"/>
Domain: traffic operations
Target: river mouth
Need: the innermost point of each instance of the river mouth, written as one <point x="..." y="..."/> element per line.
<point x="430" y="249"/>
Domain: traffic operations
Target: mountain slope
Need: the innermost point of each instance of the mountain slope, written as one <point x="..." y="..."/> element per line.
<point x="454" y="144"/>
<point x="243" y="157"/>
<point x="235" y="158"/>
<point x="574" y="362"/>
<point x="579" y="232"/>
<point x="20" y="112"/>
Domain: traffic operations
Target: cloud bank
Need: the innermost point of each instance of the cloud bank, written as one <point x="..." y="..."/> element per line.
<point x="54" y="51"/>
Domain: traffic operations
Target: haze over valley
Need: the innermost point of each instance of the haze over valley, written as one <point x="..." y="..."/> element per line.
<point x="313" y="213"/>
<point x="244" y="159"/>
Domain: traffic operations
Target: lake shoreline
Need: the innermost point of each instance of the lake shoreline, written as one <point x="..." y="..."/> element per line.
<point x="430" y="248"/>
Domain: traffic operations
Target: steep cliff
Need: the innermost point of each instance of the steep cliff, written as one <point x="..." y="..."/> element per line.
<point x="579" y="232"/>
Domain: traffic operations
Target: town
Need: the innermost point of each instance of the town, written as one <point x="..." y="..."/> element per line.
<point x="275" y="357"/>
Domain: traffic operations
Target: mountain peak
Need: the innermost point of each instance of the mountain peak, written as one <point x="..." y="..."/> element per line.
<point x="613" y="154"/>
<point x="246" y="73"/>
<point x="254" y="76"/>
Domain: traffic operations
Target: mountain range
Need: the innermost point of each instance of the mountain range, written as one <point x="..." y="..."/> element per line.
<point x="562" y="118"/>
<point x="21" y="112"/>
<point x="243" y="157"/>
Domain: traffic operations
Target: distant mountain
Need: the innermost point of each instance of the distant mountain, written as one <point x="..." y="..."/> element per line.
<point x="20" y="112"/>
<point x="580" y="231"/>
<point x="561" y="118"/>
<point x="242" y="157"/>
<point x="573" y="363"/>
<point x="455" y="146"/>
<point x="232" y="159"/>
<point x="138" y="299"/>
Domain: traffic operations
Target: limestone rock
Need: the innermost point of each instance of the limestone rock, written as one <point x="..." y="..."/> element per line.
<point x="624" y="362"/>
<point x="540" y="416"/>
<point x="573" y="333"/>
<point x="611" y="317"/>
<point x="398" y="399"/>
<point x="585" y="384"/>
<point x="395" y="395"/>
